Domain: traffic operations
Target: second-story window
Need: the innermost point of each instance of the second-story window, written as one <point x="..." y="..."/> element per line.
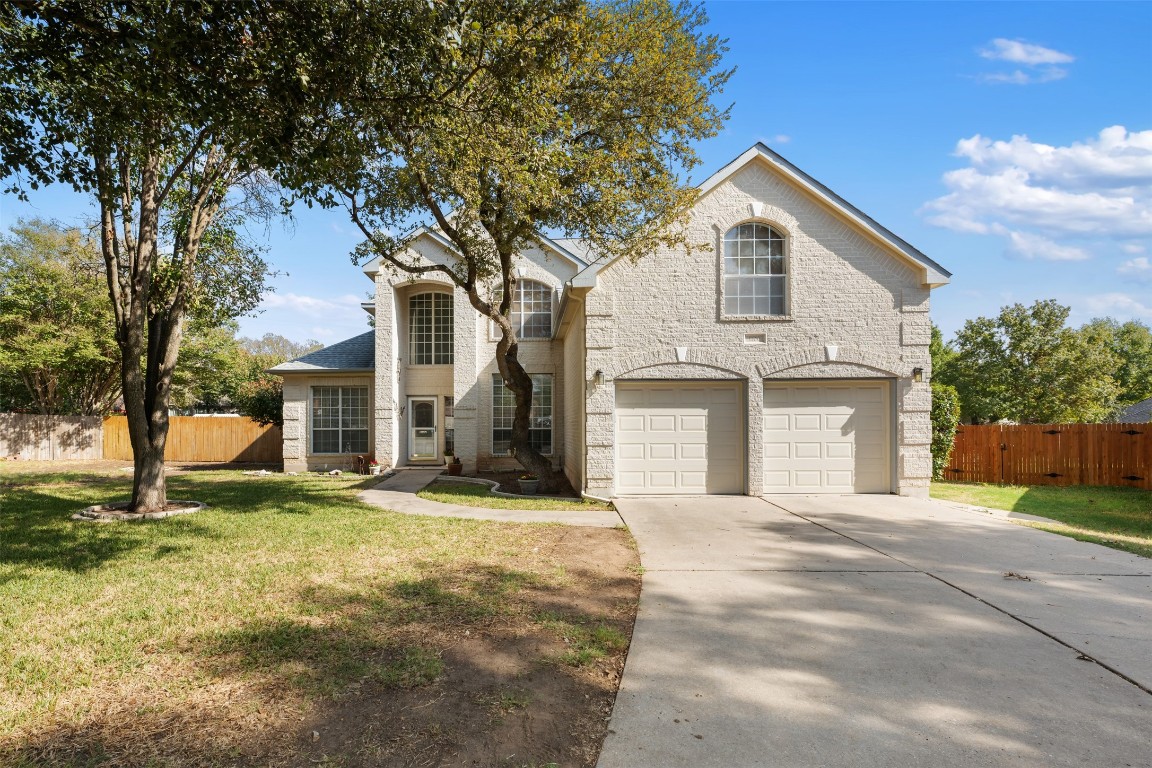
<point x="430" y="328"/>
<point x="754" y="271"/>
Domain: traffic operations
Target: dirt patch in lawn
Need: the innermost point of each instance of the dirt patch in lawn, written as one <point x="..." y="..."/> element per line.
<point x="458" y="685"/>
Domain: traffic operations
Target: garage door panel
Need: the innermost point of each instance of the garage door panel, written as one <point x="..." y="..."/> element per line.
<point x="824" y="437"/>
<point x="691" y="435"/>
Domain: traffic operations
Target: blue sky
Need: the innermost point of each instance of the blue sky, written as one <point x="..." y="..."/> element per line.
<point x="1011" y="142"/>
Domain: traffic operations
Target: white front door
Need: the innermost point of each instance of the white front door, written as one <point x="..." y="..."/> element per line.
<point x="422" y="428"/>
<point x="679" y="437"/>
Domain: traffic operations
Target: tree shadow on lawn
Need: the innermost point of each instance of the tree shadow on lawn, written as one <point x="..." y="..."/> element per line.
<point x="414" y="671"/>
<point x="36" y="531"/>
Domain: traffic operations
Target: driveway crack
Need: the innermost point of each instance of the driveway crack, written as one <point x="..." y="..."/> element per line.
<point x="1083" y="654"/>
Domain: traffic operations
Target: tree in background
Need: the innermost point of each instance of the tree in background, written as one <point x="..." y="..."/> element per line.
<point x="1131" y="343"/>
<point x="260" y="396"/>
<point x="1027" y="366"/>
<point x="58" y="354"/>
<point x="545" y="116"/>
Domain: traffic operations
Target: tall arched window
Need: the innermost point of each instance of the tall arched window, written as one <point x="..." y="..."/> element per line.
<point x="430" y="328"/>
<point x="755" y="274"/>
<point x="531" y="311"/>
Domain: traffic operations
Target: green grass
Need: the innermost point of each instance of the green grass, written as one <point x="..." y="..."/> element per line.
<point x="1120" y="518"/>
<point x="587" y="639"/>
<point x="475" y="495"/>
<point x="284" y="590"/>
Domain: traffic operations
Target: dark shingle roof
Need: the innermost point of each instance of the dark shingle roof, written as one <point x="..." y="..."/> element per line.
<point x="355" y="354"/>
<point x="1138" y="413"/>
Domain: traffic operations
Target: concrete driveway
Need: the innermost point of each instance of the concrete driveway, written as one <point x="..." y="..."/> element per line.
<point x="878" y="631"/>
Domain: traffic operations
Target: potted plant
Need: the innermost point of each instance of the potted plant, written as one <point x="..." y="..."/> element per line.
<point x="373" y="467"/>
<point x="455" y="466"/>
<point x="529" y="484"/>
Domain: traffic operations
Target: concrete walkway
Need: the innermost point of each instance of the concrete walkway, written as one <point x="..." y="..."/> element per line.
<point x="398" y="493"/>
<point x="878" y="631"/>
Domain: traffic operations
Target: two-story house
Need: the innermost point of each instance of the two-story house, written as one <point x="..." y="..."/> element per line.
<point x="789" y="354"/>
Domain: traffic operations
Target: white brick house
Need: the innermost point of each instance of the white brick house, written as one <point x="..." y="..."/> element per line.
<point x="786" y="352"/>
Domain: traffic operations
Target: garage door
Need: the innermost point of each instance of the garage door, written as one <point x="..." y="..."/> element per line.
<point x="827" y="437"/>
<point x="679" y="437"/>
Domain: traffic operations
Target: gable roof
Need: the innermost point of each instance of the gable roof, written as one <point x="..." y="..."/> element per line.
<point x="1137" y="413"/>
<point x="354" y="355"/>
<point x="934" y="274"/>
<point x="561" y="247"/>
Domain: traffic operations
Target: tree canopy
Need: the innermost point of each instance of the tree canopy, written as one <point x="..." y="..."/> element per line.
<point x="1026" y="365"/>
<point x="57" y="350"/>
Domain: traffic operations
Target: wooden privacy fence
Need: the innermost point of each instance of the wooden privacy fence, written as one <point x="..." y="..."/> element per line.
<point x="1053" y="454"/>
<point x="203" y="438"/>
<point x="31" y="437"/>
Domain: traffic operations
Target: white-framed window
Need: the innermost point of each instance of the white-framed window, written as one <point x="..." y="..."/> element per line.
<point x="539" y="418"/>
<point x="530" y="313"/>
<point x="340" y="419"/>
<point x="755" y="271"/>
<point x="430" y="328"/>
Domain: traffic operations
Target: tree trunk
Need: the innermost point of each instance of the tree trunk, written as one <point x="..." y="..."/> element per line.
<point x="520" y="383"/>
<point x="149" y="486"/>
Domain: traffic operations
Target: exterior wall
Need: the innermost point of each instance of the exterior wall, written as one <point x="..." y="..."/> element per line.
<point x="297" y="424"/>
<point x="469" y="379"/>
<point x="576" y="385"/>
<point x="844" y="292"/>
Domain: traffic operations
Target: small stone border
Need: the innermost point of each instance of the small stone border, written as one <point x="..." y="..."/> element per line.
<point x="115" y="513"/>
<point x="494" y="485"/>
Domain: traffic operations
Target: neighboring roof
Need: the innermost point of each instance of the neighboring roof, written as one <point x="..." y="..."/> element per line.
<point x="1139" y="413"/>
<point x="934" y="273"/>
<point x="355" y="355"/>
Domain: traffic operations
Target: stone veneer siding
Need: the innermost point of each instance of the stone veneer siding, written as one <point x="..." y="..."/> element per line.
<point x="297" y="424"/>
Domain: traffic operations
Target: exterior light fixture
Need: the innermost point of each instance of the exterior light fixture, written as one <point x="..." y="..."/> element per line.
<point x="918" y="375"/>
<point x="598" y="378"/>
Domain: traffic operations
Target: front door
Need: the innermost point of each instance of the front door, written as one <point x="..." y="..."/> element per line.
<point x="422" y="428"/>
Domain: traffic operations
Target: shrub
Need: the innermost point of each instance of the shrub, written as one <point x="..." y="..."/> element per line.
<point x="262" y="400"/>
<point x="945" y="417"/>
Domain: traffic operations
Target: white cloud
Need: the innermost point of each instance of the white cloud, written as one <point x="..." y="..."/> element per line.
<point x="781" y="138"/>
<point x="1138" y="269"/>
<point x="1020" y="52"/>
<point x="1033" y="193"/>
<point x="1029" y="246"/>
<point x="1039" y="62"/>
<point x="311" y="305"/>
<point x="1118" y="305"/>
<point x="1133" y="248"/>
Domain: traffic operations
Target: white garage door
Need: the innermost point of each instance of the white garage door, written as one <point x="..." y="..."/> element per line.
<point x="827" y="437"/>
<point x="679" y="437"/>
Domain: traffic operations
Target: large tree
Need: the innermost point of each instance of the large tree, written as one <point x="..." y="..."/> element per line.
<point x="546" y="116"/>
<point x="1026" y="365"/>
<point x="165" y="112"/>
<point x="57" y="347"/>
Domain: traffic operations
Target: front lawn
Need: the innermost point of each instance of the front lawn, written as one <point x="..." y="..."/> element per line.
<point x="476" y="495"/>
<point x="288" y="624"/>
<point x="1120" y="518"/>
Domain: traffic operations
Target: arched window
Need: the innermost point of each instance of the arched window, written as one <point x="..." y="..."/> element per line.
<point x="430" y="328"/>
<point x="754" y="271"/>
<point x="531" y="311"/>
